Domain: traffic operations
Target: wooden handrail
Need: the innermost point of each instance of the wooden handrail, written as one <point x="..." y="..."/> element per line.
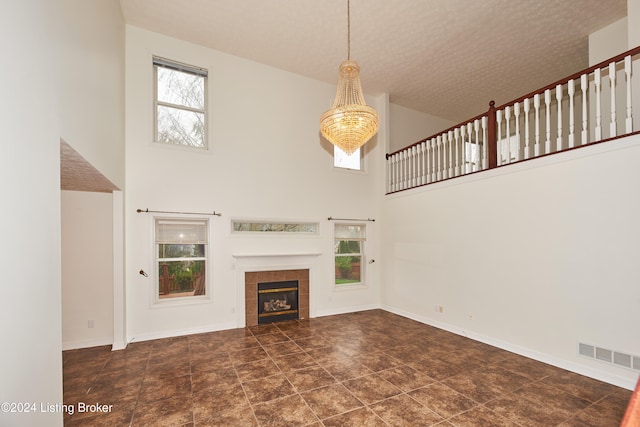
<point x="492" y="107"/>
<point x="617" y="58"/>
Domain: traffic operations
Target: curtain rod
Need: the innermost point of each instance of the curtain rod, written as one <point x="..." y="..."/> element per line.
<point x="183" y="213"/>
<point x="350" y="219"/>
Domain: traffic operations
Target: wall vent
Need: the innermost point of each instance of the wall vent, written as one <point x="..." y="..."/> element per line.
<point x="622" y="359"/>
<point x="625" y="360"/>
<point x="586" y="350"/>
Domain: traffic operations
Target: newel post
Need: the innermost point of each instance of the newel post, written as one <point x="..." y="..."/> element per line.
<point x="492" y="138"/>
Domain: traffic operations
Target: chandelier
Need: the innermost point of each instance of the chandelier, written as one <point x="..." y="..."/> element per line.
<point x="350" y="122"/>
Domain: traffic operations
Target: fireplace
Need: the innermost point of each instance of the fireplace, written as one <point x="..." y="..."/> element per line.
<point x="277" y="301"/>
<point x="276" y="295"/>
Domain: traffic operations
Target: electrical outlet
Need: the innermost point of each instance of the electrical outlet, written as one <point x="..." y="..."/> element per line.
<point x="91" y="324"/>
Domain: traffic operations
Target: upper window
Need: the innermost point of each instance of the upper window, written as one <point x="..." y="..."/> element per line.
<point x="181" y="257"/>
<point x="180" y="103"/>
<point x="348" y="250"/>
<point x="342" y="160"/>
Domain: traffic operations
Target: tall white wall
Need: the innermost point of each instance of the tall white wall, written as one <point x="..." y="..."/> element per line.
<point x="533" y="258"/>
<point x="91" y="56"/>
<point x="266" y="161"/>
<point x="411" y="126"/>
<point x="633" y="14"/>
<point x="31" y="355"/>
<point x="87" y="273"/>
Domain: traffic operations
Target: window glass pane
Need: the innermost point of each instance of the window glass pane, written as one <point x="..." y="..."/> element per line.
<point x="342" y="160"/>
<point x="348" y="269"/>
<point x="181" y="278"/>
<point x="180" y="88"/>
<point x="180" y="251"/>
<point x="181" y="127"/>
<point x="275" y="227"/>
<point x="347" y="247"/>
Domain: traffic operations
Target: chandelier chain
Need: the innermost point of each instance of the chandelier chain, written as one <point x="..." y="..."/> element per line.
<point x="348" y="31"/>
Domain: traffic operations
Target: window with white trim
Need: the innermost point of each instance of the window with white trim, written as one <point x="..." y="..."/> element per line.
<point x="348" y="248"/>
<point x="344" y="161"/>
<point x="181" y="248"/>
<point x="180" y="103"/>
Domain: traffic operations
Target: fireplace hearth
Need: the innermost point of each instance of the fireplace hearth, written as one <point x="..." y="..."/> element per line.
<point x="277" y="301"/>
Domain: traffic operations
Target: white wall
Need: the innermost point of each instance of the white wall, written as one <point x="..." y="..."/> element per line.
<point x="87" y="273"/>
<point x="411" y="126"/>
<point x="266" y="161"/>
<point x="633" y="14"/>
<point x="31" y="357"/>
<point x="91" y="56"/>
<point x="532" y="257"/>
<point x="608" y="42"/>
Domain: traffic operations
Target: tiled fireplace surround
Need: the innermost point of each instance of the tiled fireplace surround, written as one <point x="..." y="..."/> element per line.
<point x="258" y="268"/>
<point x="252" y="278"/>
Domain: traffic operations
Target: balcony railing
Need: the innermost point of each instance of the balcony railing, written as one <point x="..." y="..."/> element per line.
<point x="592" y="106"/>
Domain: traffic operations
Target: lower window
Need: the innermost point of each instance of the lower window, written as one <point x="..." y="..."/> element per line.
<point x="181" y="257"/>
<point x="348" y="247"/>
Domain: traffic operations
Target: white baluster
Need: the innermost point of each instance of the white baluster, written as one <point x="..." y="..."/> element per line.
<point x="423" y="173"/>
<point x="547" y="103"/>
<point x="612" y="82"/>
<point x="468" y="160"/>
<point x="439" y="168"/>
<point x="507" y="138"/>
<point x="627" y="72"/>
<point x="434" y="168"/>
<point x="571" y="91"/>
<point x="412" y="166"/>
<point x="401" y="170"/>
<point x="536" y="106"/>
<point x="584" y="86"/>
<point x="598" y="129"/>
<point x="526" y="128"/>
<point x="407" y="168"/>
<point x="389" y="174"/>
<point x="559" y="101"/>
<point x="499" y="148"/>
<point x="418" y="167"/>
<point x="516" y="114"/>
<point x="476" y="128"/>
<point x="450" y="153"/>
<point x="485" y="143"/>
<point x="395" y="171"/>
<point x="456" y="136"/>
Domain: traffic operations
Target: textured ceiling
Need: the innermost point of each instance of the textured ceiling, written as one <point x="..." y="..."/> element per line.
<point x="448" y="58"/>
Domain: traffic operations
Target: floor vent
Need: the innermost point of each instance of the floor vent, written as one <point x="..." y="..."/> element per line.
<point x="624" y="360"/>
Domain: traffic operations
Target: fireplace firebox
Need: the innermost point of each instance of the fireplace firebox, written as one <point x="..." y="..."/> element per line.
<point x="277" y="301"/>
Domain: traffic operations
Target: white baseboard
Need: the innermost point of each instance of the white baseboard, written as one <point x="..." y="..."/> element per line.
<point x="74" y="345"/>
<point x="182" y="332"/>
<point x="617" y="380"/>
<point x="344" y="310"/>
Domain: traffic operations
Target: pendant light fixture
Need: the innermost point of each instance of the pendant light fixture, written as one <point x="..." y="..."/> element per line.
<point x="350" y="122"/>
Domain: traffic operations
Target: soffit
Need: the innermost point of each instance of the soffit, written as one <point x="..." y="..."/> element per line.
<point x="77" y="174"/>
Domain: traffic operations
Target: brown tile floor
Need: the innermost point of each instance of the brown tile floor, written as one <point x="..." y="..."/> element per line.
<point x="371" y="368"/>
